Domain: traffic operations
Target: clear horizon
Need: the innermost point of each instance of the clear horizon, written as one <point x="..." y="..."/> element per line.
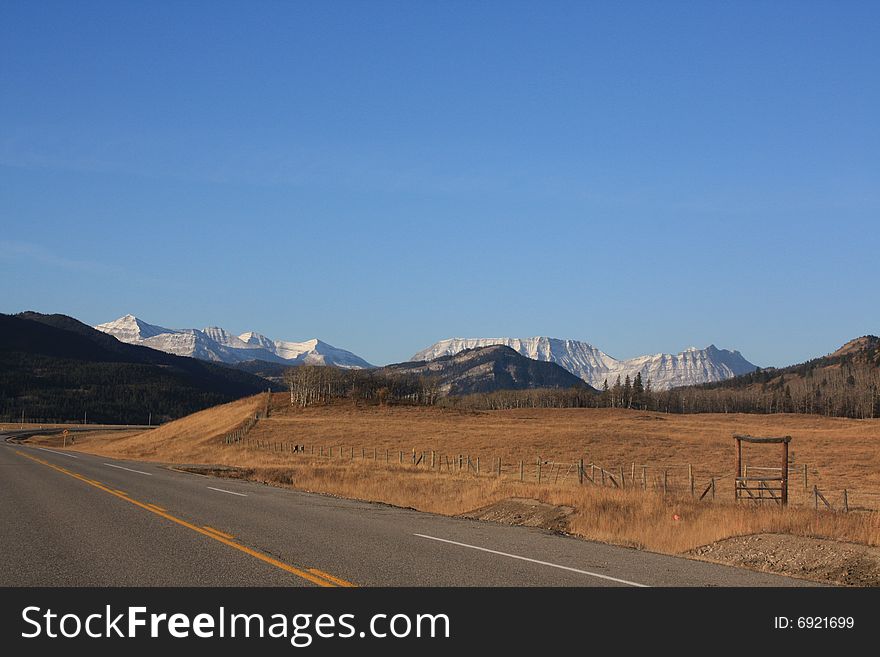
<point x="402" y="359"/>
<point x="383" y="176"/>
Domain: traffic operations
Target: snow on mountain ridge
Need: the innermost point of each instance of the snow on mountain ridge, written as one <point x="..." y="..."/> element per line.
<point x="131" y="326"/>
<point x="257" y="339"/>
<point x="217" y="344"/>
<point x="690" y="367"/>
<point x="227" y="339"/>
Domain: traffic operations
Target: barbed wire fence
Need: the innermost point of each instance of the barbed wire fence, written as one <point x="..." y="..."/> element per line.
<point x="697" y="481"/>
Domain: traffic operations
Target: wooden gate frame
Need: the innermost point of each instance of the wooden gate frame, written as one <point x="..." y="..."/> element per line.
<point x="741" y="483"/>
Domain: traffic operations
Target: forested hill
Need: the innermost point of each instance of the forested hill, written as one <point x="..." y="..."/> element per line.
<point x="488" y="369"/>
<point x="53" y="367"/>
<point x="843" y="383"/>
<point x="861" y="352"/>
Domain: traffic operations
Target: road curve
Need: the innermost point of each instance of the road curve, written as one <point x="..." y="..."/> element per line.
<point x="74" y="519"/>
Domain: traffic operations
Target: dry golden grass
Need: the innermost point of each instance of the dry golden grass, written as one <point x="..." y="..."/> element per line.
<point x="840" y="453"/>
<point x="843" y="452"/>
<point x="15" y="426"/>
<point x="57" y="440"/>
<point x="192" y="439"/>
<point x="624" y="517"/>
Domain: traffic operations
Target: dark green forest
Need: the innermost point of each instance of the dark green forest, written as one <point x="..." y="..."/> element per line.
<point x="56" y="369"/>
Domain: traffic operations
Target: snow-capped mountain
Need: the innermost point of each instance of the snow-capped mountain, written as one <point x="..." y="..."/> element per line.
<point x="487" y="369"/>
<point x="690" y="367"/>
<point x="217" y="344"/>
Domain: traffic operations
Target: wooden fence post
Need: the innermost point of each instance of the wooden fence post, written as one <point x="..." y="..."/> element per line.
<point x="539" y="471"/>
<point x="521" y="470"/>
<point x="581" y="472"/>
<point x="738" y="472"/>
<point x="622" y="478"/>
<point x="691" y="478"/>
<point x="784" y="482"/>
<point x="478" y="465"/>
<point x="665" y="481"/>
<point x="644" y="478"/>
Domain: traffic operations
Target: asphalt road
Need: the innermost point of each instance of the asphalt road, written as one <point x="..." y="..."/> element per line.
<point x="72" y="519"/>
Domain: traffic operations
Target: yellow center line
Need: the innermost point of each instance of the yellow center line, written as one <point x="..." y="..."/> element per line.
<point x="335" y="580"/>
<point x="308" y="576"/>
<point x="156" y="506"/>
<point x="217" y="531"/>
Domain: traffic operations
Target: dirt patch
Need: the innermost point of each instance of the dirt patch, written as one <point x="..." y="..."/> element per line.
<point x="822" y="560"/>
<point x="271" y="476"/>
<point x="525" y="512"/>
<point x="225" y="471"/>
<point x="649" y="418"/>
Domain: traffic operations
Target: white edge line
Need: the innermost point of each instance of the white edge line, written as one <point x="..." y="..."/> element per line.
<point x="231" y="492"/>
<point x="543" y="563"/>
<point x="149" y="474"/>
<point x="54" y="452"/>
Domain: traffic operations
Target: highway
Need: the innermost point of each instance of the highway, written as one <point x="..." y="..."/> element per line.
<point x="74" y="519"/>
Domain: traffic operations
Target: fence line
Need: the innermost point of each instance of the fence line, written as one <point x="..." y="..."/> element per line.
<point x="540" y="470"/>
<point x="674" y="478"/>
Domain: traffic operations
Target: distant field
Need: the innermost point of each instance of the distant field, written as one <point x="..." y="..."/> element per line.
<point x="73" y="426"/>
<point x="78" y="436"/>
<point x="840" y="453"/>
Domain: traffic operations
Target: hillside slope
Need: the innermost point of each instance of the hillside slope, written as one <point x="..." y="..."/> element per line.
<point x="185" y="440"/>
<point x="845" y="383"/>
<point x="55" y="367"/>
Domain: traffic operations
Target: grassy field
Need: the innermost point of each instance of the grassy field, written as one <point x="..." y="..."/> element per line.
<point x="840" y="454"/>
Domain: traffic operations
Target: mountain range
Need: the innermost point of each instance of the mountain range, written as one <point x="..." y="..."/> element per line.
<point x="690" y="367"/>
<point x="53" y="367"/>
<point x="219" y="345"/>
<point x="487" y="369"/>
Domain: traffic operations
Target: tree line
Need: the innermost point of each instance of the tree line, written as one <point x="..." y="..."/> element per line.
<point x="846" y="390"/>
<point x="315" y="384"/>
<point x="45" y="389"/>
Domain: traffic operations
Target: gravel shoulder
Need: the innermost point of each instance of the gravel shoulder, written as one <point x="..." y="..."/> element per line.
<point x="816" y="559"/>
<point x="822" y="560"/>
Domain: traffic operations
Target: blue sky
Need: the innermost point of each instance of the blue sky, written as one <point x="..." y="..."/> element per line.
<point x="643" y="176"/>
